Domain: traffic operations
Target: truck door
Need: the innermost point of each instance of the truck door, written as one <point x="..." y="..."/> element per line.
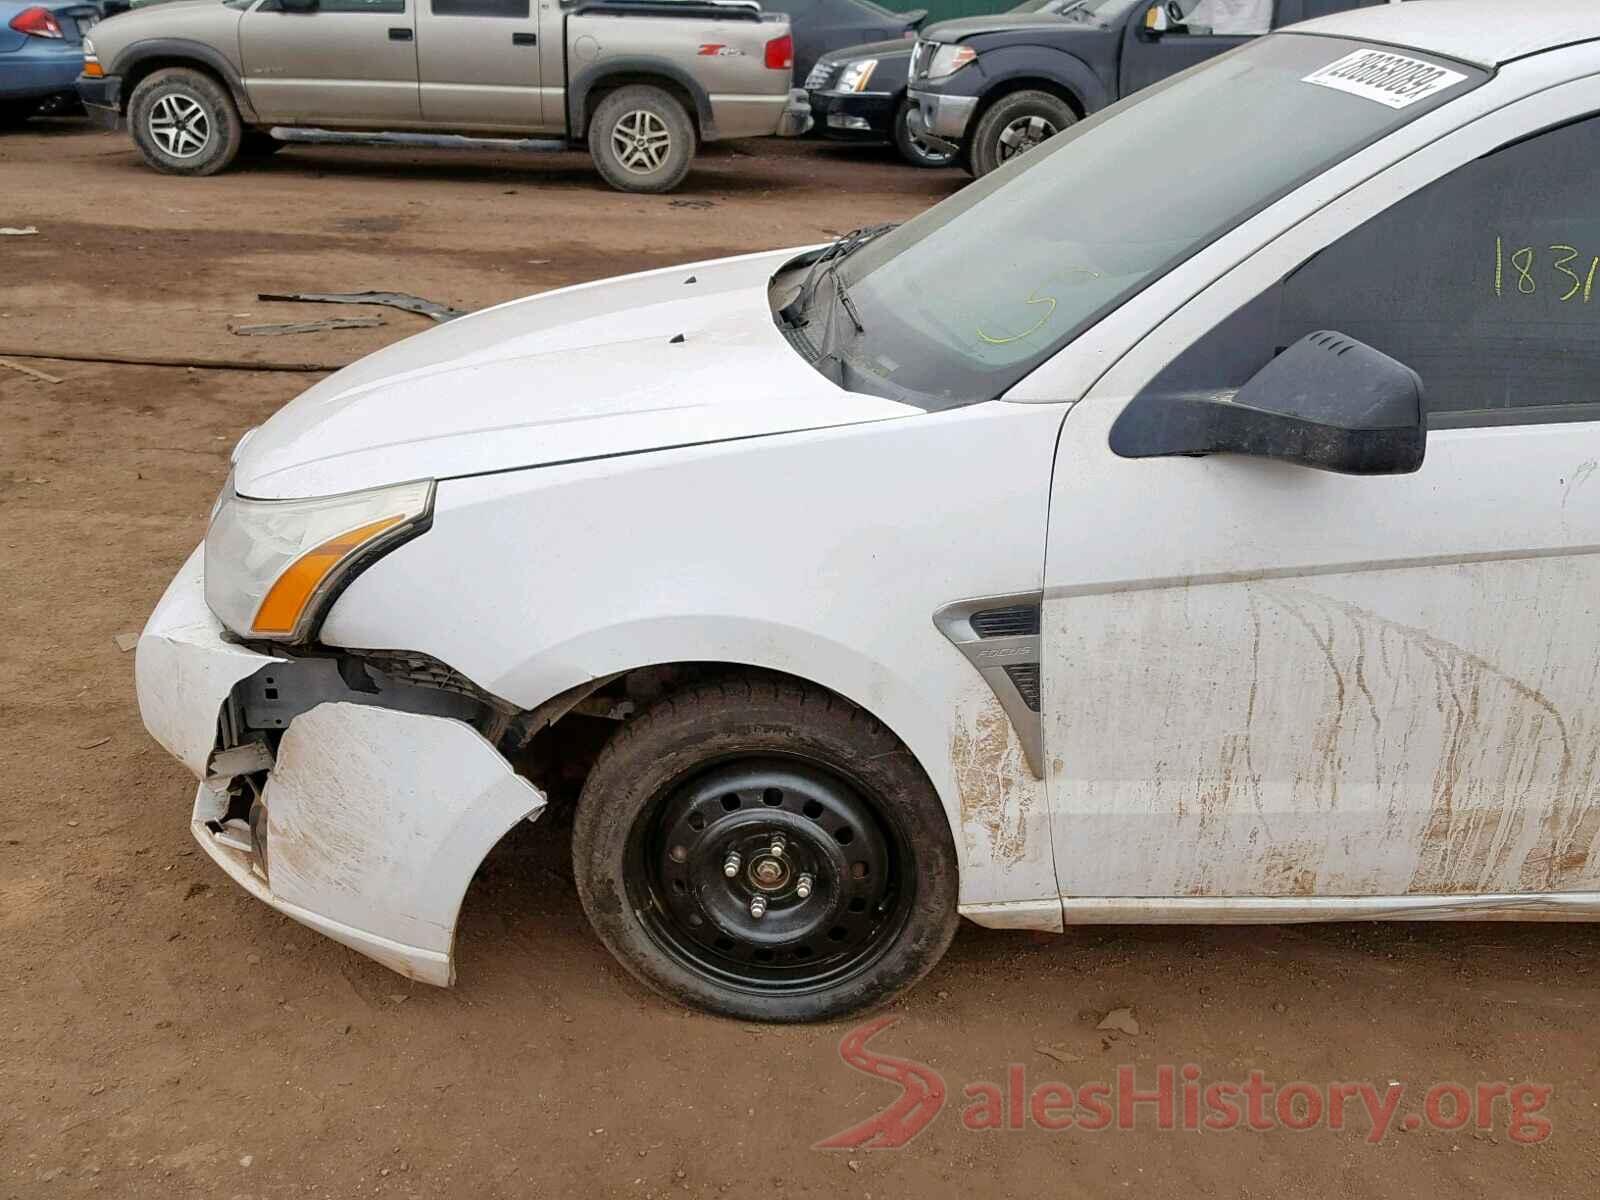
<point x="343" y="62"/>
<point x="1195" y="30"/>
<point x="478" y="61"/>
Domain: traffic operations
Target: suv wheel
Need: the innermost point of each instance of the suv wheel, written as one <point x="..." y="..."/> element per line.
<point x="766" y="851"/>
<point x="1015" y="124"/>
<point x="185" y="123"/>
<point x="912" y="148"/>
<point x="642" y="139"/>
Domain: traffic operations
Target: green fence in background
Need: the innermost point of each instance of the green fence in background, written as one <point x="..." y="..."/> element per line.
<point x="943" y="10"/>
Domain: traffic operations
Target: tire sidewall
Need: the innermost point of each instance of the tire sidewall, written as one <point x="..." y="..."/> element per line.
<point x="671" y="112"/>
<point x="985" y="142"/>
<point x="226" y="130"/>
<point x="682" y="736"/>
<point x="908" y="149"/>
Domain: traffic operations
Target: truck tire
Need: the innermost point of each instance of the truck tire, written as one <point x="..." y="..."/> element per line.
<point x="916" y="152"/>
<point x="641" y="139"/>
<point x="858" y="903"/>
<point x="1015" y="124"/>
<point x="184" y="122"/>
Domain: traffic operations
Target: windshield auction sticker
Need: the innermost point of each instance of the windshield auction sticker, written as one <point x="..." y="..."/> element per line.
<point x="1390" y="79"/>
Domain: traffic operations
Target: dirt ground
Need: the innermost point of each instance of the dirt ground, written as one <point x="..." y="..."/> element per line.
<point x="162" y="1034"/>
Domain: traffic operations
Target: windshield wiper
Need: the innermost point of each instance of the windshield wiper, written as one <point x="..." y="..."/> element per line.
<point x="825" y="264"/>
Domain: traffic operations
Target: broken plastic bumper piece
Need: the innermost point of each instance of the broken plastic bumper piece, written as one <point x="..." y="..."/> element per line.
<point x="369" y="823"/>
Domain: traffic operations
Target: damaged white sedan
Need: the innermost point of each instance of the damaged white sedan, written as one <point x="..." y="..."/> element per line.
<point x="1193" y="521"/>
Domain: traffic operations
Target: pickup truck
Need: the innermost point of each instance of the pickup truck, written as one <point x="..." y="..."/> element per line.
<point x="201" y="82"/>
<point x="990" y="88"/>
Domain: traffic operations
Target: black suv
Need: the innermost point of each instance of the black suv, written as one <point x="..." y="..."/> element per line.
<point x="993" y="87"/>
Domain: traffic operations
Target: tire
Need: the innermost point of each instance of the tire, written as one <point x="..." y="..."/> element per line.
<point x="918" y="154"/>
<point x="726" y="766"/>
<point x="648" y="112"/>
<point x="1015" y="124"/>
<point x="176" y="107"/>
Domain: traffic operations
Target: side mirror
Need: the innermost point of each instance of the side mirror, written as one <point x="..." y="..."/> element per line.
<point x="298" y="6"/>
<point x="1328" y="401"/>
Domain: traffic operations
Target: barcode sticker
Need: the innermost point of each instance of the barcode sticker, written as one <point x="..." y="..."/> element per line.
<point x="1390" y="79"/>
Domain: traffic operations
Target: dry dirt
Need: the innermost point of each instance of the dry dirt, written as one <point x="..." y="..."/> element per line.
<point x="161" y="1034"/>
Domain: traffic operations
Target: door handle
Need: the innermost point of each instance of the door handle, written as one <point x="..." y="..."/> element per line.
<point x="524" y="39"/>
<point x="400" y="35"/>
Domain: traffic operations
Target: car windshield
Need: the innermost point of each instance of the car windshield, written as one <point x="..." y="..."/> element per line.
<point x="1102" y="14"/>
<point x="960" y="303"/>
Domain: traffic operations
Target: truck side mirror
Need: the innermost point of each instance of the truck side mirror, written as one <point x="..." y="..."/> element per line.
<point x="1328" y="401"/>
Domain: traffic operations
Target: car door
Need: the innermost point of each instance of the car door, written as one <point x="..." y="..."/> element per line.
<point x="340" y="62"/>
<point x="478" y="62"/>
<point x="1264" y="681"/>
<point x="1208" y="28"/>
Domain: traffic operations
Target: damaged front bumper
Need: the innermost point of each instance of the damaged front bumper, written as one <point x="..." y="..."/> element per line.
<point x="363" y="821"/>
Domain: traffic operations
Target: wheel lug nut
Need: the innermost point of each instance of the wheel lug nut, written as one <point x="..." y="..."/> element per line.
<point x="802" y="887"/>
<point x="777" y="845"/>
<point x="730" y="865"/>
<point x="758" y="907"/>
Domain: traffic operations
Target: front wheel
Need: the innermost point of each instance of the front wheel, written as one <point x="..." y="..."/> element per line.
<point x="765" y="851"/>
<point x="1016" y="124"/>
<point x="641" y="139"/>
<point x="185" y="123"/>
<point x="917" y="151"/>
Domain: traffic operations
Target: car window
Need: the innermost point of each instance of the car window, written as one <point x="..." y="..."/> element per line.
<point x="356" y="6"/>
<point x="1231" y="18"/>
<point x="479" y="8"/>
<point x="1486" y="283"/>
<point x="964" y="300"/>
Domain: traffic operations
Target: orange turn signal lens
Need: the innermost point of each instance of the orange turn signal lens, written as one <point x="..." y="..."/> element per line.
<point x="289" y="595"/>
<point x="93" y="69"/>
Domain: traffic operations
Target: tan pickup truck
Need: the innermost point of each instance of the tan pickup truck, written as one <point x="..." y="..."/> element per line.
<point x="201" y="82"/>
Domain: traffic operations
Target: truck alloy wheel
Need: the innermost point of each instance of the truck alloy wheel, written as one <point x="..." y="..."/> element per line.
<point x="641" y="139"/>
<point x="179" y="125"/>
<point x="184" y="122"/>
<point x="1016" y="124"/>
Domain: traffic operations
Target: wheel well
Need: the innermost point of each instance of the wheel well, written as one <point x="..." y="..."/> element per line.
<point x="611" y="83"/>
<point x="1027" y="83"/>
<point x="555" y="745"/>
<point x="146" y="67"/>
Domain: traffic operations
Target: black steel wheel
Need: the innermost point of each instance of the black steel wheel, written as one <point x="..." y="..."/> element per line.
<point x="765" y="851"/>
<point x="768" y="874"/>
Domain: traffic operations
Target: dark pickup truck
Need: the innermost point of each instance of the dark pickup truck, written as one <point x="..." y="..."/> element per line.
<point x="990" y="88"/>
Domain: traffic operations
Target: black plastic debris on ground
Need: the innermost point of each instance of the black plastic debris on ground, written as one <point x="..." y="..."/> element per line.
<point x="401" y="300"/>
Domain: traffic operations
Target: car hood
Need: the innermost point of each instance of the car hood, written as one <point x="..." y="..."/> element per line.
<point x="879" y="50"/>
<point x="677" y="357"/>
<point x="964" y="27"/>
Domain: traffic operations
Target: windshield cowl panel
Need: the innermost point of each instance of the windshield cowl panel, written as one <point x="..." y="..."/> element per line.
<point x="965" y="300"/>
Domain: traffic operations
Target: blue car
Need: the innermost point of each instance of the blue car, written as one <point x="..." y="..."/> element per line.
<point x="41" y="55"/>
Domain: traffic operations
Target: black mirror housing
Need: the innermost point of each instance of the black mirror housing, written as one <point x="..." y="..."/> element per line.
<point x="1328" y="401"/>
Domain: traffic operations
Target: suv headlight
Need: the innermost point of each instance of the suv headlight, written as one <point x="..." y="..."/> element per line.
<point x="857" y="74"/>
<point x="272" y="565"/>
<point x="947" y="60"/>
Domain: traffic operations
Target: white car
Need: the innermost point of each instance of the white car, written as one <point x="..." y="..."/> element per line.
<point x="1195" y="521"/>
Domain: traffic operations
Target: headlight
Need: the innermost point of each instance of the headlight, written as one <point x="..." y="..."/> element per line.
<point x="947" y="60"/>
<point x="856" y="74"/>
<point x="270" y="565"/>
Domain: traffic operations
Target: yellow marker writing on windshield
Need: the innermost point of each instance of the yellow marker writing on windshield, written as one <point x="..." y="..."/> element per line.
<point x="1032" y="329"/>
